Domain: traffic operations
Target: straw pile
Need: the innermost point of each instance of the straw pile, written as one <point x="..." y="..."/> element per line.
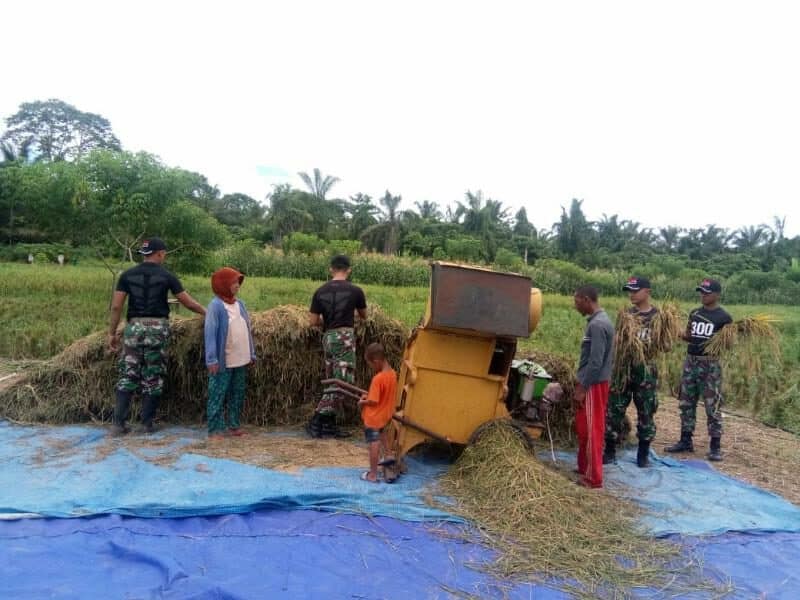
<point x="283" y="387"/>
<point x="547" y="529"/>
<point x="631" y="348"/>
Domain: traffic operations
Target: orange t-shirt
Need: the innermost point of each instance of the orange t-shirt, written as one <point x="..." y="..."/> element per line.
<point x="382" y="388"/>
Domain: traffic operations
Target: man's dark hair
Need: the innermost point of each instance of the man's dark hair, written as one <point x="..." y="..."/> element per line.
<point x="340" y="262"/>
<point x="375" y="352"/>
<point x="588" y="291"/>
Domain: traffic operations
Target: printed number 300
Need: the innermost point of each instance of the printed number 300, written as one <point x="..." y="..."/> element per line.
<point x="702" y="329"/>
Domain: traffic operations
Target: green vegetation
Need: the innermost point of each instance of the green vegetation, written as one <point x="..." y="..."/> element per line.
<point x="65" y="183"/>
<point x="44" y="308"/>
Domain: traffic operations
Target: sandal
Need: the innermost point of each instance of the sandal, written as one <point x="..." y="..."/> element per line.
<point x="365" y="477"/>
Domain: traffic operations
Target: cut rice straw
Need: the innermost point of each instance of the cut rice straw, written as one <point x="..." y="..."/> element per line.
<point x="549" y="530"/>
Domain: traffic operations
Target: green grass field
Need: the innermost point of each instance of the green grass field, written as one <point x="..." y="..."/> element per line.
<point x="45" y="308"/>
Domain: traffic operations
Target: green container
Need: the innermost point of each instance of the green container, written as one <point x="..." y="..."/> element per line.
<point x="539" y="383"/>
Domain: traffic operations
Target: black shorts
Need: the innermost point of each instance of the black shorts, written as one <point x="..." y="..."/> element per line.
<point x="372" y="435"/>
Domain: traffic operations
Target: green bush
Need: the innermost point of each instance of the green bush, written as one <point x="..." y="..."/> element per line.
<point x="303" y="243"/>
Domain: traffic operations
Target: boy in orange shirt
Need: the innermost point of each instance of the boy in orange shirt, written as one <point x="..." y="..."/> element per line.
<point x="377" y="407"/>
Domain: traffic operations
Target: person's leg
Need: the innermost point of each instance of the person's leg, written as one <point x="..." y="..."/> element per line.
<point x="374" y="451"/>
<point x="326" y="404"/>
<point x="582" y="432"/>
<point x="341" y="346"/>
<point x="646" y="402"/>
<point x="618" y="402"/>
<point x="130" y="375"/>
<point x="596" y="404"/>
<point x="713" y="399"/>
<point x="217" y="390"/>
<point x="687" y="404"/>
<point x="155" y="345"/>
<point x="238" y="386"/>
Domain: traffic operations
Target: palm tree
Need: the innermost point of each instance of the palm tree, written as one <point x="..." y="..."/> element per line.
<point x="319" y="186"/>
<point x="751" y="236"/>
<point x="428" y="210"/>
<point x="669" y="236"/>
<point x="390" y="203"/>
<point x="385" y="234"/>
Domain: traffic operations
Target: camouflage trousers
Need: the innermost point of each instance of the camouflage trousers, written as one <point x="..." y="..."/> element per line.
<point x="702" y="378"/>
<point x="640" y="386"/>
<point x="143" y="360"/>
<point x="339" y="346"/>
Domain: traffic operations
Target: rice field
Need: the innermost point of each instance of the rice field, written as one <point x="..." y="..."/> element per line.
<point x="44" y="308"/>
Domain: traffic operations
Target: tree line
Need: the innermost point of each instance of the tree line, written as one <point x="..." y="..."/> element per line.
<point x="64" y="177"/>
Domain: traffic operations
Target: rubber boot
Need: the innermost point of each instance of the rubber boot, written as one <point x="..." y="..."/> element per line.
<point x="149" y="407"/>
<point x="122" y="407"/>
<point x="609" y="452"/>
<point x="314" y="426"/>
<point x="643" y="455"/>
<point x="715" y="452"/>
<point x="684" y="445"/>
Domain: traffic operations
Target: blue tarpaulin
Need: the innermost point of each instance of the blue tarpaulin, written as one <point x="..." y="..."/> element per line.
<point x="691" y="498"/>
<point x="371" y="541"/>
<point x="83" y="481"/>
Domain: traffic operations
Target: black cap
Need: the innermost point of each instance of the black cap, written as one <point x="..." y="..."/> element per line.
<point x="709" y="286"/>
<point x="634" y="284"/>
<point x="151" y="245"/>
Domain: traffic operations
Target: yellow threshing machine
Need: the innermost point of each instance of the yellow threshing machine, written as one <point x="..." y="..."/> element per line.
<point x="455" y="369"/>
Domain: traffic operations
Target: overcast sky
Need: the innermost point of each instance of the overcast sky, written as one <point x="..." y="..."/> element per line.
<point x="684" y="113"/>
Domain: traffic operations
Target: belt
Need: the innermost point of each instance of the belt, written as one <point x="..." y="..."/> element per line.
<point x="149" y="320"/>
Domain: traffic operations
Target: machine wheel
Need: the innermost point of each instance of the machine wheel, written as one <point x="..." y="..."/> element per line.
<point x="517" y="428"/>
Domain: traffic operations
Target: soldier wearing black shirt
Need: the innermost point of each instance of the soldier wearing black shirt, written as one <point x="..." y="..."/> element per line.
<point x="146" y="334"/>
<point x="702" y="374"/>
<point x="333" y="307"/>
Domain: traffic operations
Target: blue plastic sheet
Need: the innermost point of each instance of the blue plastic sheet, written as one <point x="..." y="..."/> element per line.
<point x="307" y="554"/>
<point x="691" y="498"/>
<point x="273" y="554"/>
<point x="79" y="483"/>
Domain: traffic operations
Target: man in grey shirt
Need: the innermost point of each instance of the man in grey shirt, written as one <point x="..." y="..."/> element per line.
<point x="591" y="391"/>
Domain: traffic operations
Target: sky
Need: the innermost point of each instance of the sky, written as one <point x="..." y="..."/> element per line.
<point x="679" y="113"/>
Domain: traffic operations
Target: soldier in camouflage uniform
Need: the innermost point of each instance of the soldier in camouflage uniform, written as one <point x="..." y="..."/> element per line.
<point x="640" y="385"/>
<point x="333" y="307"/>
<point x="702" y="374"/>
<point x="146" y="334"/>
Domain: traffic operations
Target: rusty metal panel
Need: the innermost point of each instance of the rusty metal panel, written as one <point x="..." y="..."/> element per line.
<point x="479" y="300"/>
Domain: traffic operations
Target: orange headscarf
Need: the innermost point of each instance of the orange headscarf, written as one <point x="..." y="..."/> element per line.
<point x="221" y="282"/>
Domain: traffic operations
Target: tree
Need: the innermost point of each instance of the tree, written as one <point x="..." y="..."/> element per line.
<point x="669" y="237"/>
<point x="428" y="210"/>
<point x="319" y="186"/>
<point x="573" y="232"/>
<point x="58" y="131"/>
<point x="12" y="159"/>
<point x="386" y="233"/>
<point x="751" y="236"/>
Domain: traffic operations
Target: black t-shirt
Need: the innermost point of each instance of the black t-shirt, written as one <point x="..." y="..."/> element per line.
<point x="336" y="301"/>
<point x="703" y="325"/>
<point x="147" y="286"/>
